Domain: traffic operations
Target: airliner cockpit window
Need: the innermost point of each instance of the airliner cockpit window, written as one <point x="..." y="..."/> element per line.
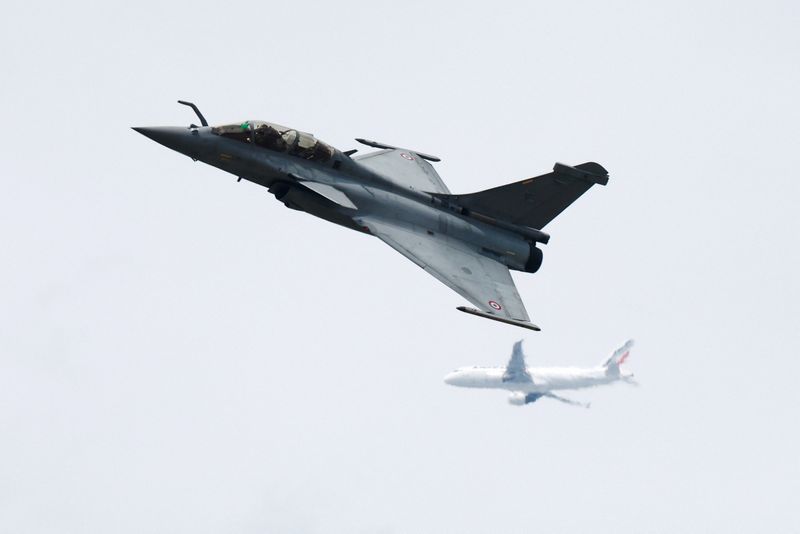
<point x="278" y="138"/>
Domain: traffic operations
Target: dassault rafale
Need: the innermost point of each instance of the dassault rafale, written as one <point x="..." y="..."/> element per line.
<point x="469" y="242"/>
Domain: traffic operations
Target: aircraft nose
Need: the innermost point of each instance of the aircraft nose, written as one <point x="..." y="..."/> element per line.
<point x="175" y="137"/>
<point x="451" y="378"/>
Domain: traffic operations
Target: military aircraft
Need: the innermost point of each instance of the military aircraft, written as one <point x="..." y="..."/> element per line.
<point x="468" y="242"/>
<point x="529" y="384"/>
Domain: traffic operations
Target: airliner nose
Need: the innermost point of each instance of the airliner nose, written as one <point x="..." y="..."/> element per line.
<point x="450" y="378"/>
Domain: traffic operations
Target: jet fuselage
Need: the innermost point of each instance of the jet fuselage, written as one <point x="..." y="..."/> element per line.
<point x="371" y="194"/>
<point x="542" y="379"/>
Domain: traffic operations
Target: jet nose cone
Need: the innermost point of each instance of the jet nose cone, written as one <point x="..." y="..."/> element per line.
<point x="174" y="137"/>
<point x="160" y="134"/>
<point x="451" y="378"/>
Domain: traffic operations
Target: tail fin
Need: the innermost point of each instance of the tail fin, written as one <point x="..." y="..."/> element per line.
<point x="533" y="202"/>
<point x="617" y="358"/>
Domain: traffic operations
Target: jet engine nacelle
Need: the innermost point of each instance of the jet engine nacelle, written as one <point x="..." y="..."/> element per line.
<point x="534" y="259"/>
<point x="282" y="191"/>
<point x="293" y="197"/>
<point x="517" y="398"/>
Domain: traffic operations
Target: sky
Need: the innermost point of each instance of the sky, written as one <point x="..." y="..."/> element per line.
<point x="181" y="353"/>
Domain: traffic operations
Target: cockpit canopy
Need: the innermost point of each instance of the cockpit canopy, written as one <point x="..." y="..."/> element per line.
<point x="277" y="138"/>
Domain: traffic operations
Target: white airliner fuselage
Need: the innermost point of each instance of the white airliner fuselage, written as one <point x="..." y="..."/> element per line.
<point x="528" y="384"/>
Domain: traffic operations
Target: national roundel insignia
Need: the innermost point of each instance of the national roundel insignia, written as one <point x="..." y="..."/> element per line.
<point x="495" y="305"/>
<point x="406" y="156"/>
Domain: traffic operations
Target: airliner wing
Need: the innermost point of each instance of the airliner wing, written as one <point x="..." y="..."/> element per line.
<point x="552" y="395"/>
<point x="483" y="281"/>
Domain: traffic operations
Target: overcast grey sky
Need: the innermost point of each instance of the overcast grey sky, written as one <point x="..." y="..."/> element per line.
<point x="181" y="353"/>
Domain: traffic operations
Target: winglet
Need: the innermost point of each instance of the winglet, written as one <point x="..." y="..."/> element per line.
<point x="479" y="313"/>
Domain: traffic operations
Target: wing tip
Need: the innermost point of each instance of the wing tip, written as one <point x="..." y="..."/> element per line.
<point x="487" y="315"/>
<point x="378" y="144"/>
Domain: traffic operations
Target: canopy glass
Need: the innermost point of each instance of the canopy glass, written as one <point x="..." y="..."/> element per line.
<point x="277" y="138"/>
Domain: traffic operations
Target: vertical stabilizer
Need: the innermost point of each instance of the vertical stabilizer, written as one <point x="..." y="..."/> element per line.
<point x="516" y="371"/>
<point x="617" y="358"/>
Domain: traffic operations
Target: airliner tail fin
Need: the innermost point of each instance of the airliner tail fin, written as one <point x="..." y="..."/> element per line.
<point x="617" y="358"/>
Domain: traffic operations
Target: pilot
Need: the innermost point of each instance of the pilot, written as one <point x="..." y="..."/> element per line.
<point x="322" y="152"/>
<point x="270" y="138"/>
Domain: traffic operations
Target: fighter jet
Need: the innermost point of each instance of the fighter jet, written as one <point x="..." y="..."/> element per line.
<point x="529" y="384"/>
<point x="468" y="242"/>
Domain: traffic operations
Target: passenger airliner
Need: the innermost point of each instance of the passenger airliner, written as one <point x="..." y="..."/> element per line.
<point x="529" y="384"/>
